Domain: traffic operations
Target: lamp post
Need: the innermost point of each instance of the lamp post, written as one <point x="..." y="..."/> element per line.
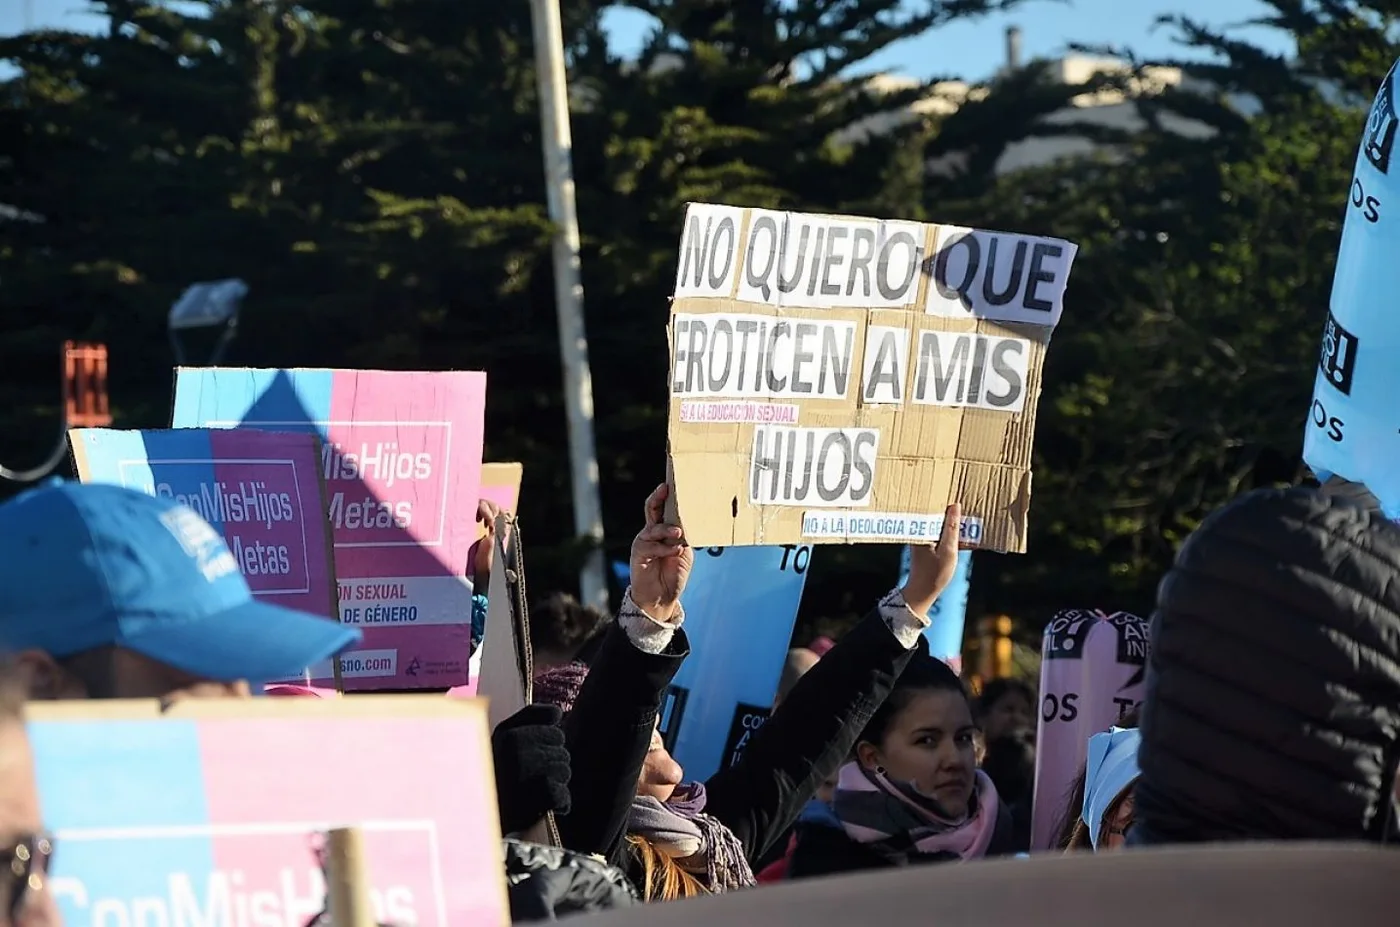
<point x="557" y="142"/>
<point x="207" y="305"/>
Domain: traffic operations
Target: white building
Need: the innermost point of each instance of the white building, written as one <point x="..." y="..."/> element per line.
<point x="1105" y="109"/>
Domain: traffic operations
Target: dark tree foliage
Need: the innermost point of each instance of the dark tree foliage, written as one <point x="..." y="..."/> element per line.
<point x="372" y="168"/>
<point x="1181" y="373"/>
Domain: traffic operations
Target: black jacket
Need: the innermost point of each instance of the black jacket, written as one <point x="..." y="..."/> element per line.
<point x="826" y="850"/>
<point x="804" y="742"/>
<point x="546" y="883"/>
<point x="1344" y="489"/>
<point x="1273" y="686"/>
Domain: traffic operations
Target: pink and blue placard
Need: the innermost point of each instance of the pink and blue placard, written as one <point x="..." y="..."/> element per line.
<point x="260" y="490"/>
<point x="401" y="463"/>
<point x="215" y="814"/>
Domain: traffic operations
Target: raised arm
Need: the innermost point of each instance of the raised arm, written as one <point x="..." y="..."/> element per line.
<point x="609" y="728"/>
<point x="814" y="730"/>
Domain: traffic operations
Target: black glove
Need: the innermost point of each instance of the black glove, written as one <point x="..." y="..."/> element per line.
<point x="532" y="767"/>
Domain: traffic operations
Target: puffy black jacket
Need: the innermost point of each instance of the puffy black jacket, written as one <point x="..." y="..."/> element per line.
<point x="547" y="883"/>
<point x="1273" y="687"/>
<point x="1341" y="488"/>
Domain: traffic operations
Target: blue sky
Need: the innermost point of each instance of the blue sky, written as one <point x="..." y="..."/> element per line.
<point x="972" y="50"/>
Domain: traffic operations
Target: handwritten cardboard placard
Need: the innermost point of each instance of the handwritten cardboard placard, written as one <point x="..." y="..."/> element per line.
<point x="211" y="813"/>
<point x="261" y="490"/>
<point x="839" y="380"/>
<point x="402" y="467"/>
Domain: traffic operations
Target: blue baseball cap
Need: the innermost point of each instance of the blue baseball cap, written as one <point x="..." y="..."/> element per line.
<point x="87" y="566"/>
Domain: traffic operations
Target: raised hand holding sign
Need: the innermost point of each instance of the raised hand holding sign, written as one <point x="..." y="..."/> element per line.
<point x="661" y="561"/>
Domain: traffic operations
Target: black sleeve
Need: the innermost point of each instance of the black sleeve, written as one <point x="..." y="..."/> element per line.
<point x="608" y="733"/>
<point x="807" y="738"/>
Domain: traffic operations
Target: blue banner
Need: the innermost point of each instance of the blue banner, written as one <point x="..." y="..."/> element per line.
<point x="949" y="612"/>
<point x="740" y="605"/>
<point x="1353" y="429"/>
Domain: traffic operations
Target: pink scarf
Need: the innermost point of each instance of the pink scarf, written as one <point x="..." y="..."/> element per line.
<point x="874" y="810"/>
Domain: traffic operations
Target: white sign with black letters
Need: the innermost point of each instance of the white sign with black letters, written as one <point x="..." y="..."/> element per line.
<point x="998" y="276"/>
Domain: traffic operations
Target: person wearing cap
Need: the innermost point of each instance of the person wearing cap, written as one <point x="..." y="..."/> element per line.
<point x="106" y="592"/>
<point x="26" y="847"/>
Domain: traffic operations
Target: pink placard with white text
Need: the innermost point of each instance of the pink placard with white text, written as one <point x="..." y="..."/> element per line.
<point x="401" y="460"/>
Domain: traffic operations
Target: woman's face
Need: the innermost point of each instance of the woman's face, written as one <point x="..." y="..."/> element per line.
<point x="1008" y="714"/>
<point x="1116" y="823"/>
<point x="660" y="773"/>
<point x="931" y="744"/>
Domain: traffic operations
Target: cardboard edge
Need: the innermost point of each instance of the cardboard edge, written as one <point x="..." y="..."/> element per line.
<point x="351" y="706"/>
<point x="511" y="471"/>
<point x="77" y="454"/>
<point x="328" y="535"/>
<point x="87" y="710"/>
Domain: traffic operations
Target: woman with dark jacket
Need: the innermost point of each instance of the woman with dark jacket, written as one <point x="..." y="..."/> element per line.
<point x="913" y="793"/>
<point x="678" y="840"/>
<point x="1272" y="709"/>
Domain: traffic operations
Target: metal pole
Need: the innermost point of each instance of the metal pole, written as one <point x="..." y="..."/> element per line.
<point x="557" y="142"/>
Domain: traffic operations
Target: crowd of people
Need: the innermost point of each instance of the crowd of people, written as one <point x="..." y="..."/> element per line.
<point x="1272" y="709"/>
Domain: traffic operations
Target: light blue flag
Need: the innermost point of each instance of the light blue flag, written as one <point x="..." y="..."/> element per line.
<point x="1353" y="426"/>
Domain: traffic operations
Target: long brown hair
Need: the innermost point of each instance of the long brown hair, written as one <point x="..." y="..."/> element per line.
<point x="662" y="879"/>
<point x="1073" y="832"/>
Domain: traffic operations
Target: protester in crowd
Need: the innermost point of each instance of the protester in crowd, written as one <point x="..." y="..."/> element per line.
<point x="1107" y="787"/>
<point x="1272" y="708"/>
<point x="106" y="592"/>
<point x="560" y="628"/>
<point x="799" y="660"/>
<point x="1006" y="716"/>
<point x="1006" y="705"/>
<point x="483" y="555"/>
<point x="1111" y="771"/>
<point x="25" y="846"/>
<point x="1009" y="761"/>
<point x="545" y="883"/>
<point x="772" y="865"/>
<point x="677" y="840"/>
<point x="913" y="794"/>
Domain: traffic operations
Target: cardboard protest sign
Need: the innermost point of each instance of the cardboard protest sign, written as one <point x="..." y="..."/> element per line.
<point x="402" y="466"/>
<point x="500" y="483"/>
<point x="211" y="814"/>
<point x="505" y="679"/>
<point x="725" y="688"/>
<point x="1092" y="669"/>
<point x="839" y="380"/>
<point x="261" y="490"/>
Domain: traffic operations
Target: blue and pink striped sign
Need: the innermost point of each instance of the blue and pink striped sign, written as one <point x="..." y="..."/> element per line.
<point x="401" y="462"/>
<point x="217" y="819"/>
<point x="260" y="490"/>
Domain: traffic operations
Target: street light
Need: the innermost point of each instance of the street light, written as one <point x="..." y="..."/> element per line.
<point x="557" y="142"/>
<point x="207" y="305"/>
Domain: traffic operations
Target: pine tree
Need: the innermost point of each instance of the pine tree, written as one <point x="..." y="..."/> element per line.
<point x="1181" y="372"/>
